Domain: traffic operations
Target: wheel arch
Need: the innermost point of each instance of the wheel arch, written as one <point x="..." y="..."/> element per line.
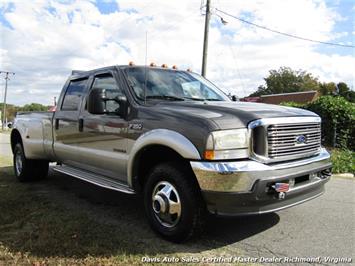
<point x="15" y="138"/>
<point x="167" y="144"/>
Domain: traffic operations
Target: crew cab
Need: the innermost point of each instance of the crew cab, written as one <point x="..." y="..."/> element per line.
<point x="174" y="137"/>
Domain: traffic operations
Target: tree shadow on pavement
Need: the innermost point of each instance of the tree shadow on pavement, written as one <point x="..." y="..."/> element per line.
<point x="64" y="216"/>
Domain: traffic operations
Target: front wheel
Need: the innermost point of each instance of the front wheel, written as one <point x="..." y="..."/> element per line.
<point x="26" y="169"/>
<point x="173" y="202"/>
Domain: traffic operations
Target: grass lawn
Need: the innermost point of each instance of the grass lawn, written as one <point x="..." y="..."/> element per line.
<point x="61" y="221"/>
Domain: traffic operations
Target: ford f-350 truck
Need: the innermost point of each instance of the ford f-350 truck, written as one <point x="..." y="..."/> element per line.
<point x="178" y="140"/>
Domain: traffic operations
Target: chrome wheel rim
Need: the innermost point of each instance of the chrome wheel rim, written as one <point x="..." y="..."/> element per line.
<point x="18" y="163"/>
<point x="166" y="204"/>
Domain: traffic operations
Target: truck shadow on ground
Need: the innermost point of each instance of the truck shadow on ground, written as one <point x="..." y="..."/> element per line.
<point x="77" y="218"/>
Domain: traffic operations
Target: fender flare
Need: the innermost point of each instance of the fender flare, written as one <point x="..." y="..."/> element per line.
<point x="164" y="137"/>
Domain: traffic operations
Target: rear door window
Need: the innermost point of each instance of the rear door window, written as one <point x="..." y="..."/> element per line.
<point x="73" y="95"/>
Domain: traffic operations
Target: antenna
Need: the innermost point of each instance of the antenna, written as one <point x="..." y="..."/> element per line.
<point x="145" y="67"/>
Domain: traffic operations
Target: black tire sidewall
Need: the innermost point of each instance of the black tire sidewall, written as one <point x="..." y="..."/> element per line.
<point x="188" y="197"/>
<point x="32" y="170"/>
<point x="19" y="149"/>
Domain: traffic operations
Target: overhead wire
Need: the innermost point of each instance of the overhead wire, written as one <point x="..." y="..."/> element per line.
<point x="283" y="33"/>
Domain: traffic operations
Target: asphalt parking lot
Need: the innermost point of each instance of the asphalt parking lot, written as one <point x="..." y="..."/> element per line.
<point x="323" y="227"/>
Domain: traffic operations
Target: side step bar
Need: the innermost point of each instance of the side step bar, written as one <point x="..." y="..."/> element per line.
<point x="92" y="178"/>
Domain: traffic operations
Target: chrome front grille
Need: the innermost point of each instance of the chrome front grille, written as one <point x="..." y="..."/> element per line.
<point x="285" y="138"/>
<point x="291" y="140"/>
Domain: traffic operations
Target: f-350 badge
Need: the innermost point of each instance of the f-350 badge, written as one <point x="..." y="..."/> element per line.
<point x="135" y="126"/>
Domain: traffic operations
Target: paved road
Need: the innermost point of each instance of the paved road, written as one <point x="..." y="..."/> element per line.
<point x="5" y="148"/>
<point x="322" y="227"/>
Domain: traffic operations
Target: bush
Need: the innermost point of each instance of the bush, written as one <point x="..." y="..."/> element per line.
<point x="338" y="119"/>
<point x="293" y="104"/>
<point x="343" y="161"/>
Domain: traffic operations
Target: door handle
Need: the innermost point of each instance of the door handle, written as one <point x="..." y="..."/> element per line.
<point x="81" y="124"/>
<point x="56" y="123"/>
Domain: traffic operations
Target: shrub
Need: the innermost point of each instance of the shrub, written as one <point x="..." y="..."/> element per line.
<point x="343" y="161"/>
<point x="338" y="119"/>
<point x="293" y="104"/>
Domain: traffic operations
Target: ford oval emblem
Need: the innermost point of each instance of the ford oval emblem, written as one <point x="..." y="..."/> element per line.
<point x="301" y="139"/>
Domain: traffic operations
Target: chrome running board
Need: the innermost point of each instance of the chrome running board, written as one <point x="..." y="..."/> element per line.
<point x="92" y="178"/>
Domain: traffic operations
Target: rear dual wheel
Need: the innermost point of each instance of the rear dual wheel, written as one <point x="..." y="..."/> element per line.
<point x="173" y="202"/>
<point x="26" y="169"/>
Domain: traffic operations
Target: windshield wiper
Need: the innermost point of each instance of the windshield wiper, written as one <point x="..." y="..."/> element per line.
<point x="202" y="99"/>
<point x="213" y="99"/>
<point x="165" y="97"/>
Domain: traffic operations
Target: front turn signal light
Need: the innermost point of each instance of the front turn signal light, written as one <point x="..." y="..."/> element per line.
<point x="209" y="155"/>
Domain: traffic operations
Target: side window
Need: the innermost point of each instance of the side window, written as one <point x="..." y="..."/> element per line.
<point x="73" y="95"/>
<point x="108" y="83"/>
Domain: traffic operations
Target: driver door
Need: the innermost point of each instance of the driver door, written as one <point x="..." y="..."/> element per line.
<point x="103" y="142"/>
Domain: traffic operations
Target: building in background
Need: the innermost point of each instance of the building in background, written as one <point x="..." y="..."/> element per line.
<point x="297" y="97"/>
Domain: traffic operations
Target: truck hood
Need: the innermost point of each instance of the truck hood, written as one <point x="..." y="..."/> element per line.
<point x="228" y="115"/>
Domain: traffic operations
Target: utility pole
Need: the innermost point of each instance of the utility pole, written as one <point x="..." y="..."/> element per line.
<point x="5" y="94"/>
<point x="205" y="39"/>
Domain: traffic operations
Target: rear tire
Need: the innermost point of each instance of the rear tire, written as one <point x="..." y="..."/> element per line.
<point x="173" y="202"/>
<point x="26" y="169"/>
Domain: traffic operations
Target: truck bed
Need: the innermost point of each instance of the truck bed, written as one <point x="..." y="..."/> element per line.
<point x="36" y="127"/>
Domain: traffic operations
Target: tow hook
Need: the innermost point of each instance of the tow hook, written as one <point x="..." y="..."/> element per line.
<point x="281" y="195"/>
<point x="281" y="189"/>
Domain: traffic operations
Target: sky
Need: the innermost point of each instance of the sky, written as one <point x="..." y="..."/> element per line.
<point x="43" y="40"/>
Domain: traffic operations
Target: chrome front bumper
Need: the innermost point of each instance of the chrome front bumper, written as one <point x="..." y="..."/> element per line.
<point x="244" y="187"/>
<point x="240" y="176"/>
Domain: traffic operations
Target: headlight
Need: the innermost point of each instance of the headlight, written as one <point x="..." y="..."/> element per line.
<point x="227" y="144"/>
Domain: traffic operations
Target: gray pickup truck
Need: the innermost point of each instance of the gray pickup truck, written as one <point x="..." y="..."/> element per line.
<point x="179" y="141"/>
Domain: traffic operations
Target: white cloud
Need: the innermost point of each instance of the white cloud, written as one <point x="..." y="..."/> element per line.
<point x="48" y="39"/>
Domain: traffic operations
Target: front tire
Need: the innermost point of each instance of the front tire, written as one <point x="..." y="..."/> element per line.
<point x="173" y="202"/>
<point x="26" y="169"/>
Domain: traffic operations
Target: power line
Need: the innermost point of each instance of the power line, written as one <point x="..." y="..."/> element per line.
<point x="283" y="33"/>
<point x="237" y="67"/>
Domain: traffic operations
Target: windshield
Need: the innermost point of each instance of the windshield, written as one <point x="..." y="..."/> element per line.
<point x="172" y="85"/>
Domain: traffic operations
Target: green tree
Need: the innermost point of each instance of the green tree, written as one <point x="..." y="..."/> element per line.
<point x="344" y="91"/>
<point x="34" y="107"/>
<point x="10" y="111"/>
<point x="286" y="80"/>
<point x="327" y="88"/>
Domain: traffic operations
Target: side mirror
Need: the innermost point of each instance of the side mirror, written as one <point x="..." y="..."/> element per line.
<point x="105" y="101"/>
<point x="123" y="105"/>
<point x="96" y="101"/>
<point x="234" y="98"/>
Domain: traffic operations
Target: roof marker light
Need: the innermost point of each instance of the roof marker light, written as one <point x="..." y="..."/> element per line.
<point x="152" y="64"/>
<point x="131" y="63"/>
<point x="164" y="66"/>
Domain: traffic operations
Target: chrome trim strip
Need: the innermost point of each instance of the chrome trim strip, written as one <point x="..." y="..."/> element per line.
<point x="306" y="185"/>
<point x="290" y="205"/>
<point x="284" y="120"/>
<point x="272" y="210"/>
